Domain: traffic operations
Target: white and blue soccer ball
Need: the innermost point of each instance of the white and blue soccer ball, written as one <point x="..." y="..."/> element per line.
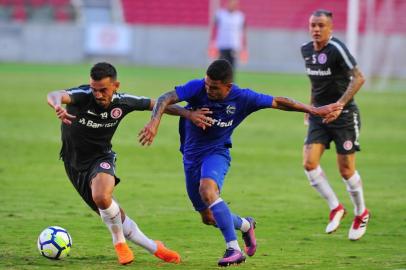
<point x="54" y="243"/>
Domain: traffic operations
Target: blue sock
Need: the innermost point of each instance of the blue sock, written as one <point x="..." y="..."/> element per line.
<point x="224" y="220"/>
<point x="237" y="221"/>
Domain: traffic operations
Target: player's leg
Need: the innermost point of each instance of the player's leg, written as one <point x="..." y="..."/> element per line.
<point x="245" y="225"/>
<point x="82" y="183"/>
<point x="213" y="170"/>
<point x="318" y="180"/>
<point x="102" y="186"/>
<point x="353" y="182"/>
<point x="133" y="233"/>
<point x="346" y="140"/>
<point x="229" y="55"/>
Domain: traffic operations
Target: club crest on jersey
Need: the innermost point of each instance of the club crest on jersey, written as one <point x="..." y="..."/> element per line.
<point x="322" y="58"/>
<point x="347" y="145"/>
<point x="116" y="113"/>
<point x="230" y="109"/>
<point x="105" y="165"/>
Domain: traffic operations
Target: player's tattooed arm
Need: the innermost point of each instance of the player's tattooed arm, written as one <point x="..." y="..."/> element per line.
<point x="148" y="133"/>
<point x="353" y="87"/>
<point x="55" y="99"/>
<point x="200" y="117"/>
<point x="288" y="104"/>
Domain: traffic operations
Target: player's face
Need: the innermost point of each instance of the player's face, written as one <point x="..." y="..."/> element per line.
<point x="216" y="89"/>
<point x="232" y="5"/>
<point x="103" y="90"/>
<point x="320" y="28"/>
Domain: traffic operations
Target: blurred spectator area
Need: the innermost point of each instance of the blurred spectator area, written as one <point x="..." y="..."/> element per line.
<point x="276" y="14"/>
<point x="41" y="11"/>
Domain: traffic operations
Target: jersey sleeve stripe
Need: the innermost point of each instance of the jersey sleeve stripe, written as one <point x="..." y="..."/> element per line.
<point x="78" y="90"/>
<point x="343" y="53"/>
<point x="132" y="96"/>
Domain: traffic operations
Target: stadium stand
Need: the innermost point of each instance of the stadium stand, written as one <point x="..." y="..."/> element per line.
<point x="276" y="14"/>
<point x="166" y="12"/>
<point x="37" y="11"/>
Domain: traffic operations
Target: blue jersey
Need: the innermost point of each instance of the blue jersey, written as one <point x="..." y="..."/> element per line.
<point x="227" y="114"/>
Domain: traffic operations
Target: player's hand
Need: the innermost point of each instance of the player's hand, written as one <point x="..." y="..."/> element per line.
<point x="325" y="110"/>
<point x="212" y="51"/>
<point x="244" y="56"/>
<point x="147" y="134"/>
<point x="63" y="115"/>
<point x="199" y="118"/>
<point x="331" y="116"/>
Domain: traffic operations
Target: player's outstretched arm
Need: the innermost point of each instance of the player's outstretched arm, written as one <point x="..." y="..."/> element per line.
<point x="288" y="104"/>
<point x="148" y="133"/>
<point x="55" y="99"/>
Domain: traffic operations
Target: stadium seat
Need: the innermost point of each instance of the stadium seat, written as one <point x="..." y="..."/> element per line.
<point x="19" y="13"/>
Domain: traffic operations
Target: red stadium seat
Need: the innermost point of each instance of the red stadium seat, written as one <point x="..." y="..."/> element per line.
<point x="19" y="13"/>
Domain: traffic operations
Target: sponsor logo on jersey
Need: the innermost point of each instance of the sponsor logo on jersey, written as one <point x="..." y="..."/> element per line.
<point x="322" y="58"/>
<point x="92" y="124"/>
<point x="318" y="72"/>
<point x="105" y="165"/>
<point x="219" y="123"/>
<point x="230" y="109"/>
<point x="116" y="113"/>
<point x="347" y="145"/>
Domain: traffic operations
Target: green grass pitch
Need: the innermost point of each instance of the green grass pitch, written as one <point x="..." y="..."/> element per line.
<point x="266" y="179"/>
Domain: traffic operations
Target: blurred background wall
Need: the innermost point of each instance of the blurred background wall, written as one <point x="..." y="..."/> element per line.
<point x="176" y="32"/>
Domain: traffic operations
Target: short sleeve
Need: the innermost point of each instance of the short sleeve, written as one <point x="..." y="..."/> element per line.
<point x="80" y="94"/>
<point x="257" y="101"/>
<point x="134" y="103"/>
<point x="345" y="59"/>
<point x="187" y="91"/>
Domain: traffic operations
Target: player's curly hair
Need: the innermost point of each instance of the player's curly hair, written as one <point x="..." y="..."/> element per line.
<point x="103" y="70"/>
<point x="220" y="70"/>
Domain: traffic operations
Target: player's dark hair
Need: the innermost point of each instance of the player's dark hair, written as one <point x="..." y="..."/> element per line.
<point x="220" y="70"/>
<point x="323" y="12"/>
<point x="103" y="70"/>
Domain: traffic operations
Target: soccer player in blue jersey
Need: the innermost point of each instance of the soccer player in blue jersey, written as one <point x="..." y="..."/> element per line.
<point x="206" y="155"/>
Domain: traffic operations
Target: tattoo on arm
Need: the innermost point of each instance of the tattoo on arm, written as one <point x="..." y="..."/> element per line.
<point x="162" y="103"/>
<point x="288" y="104"/>
<point x="353" y="87"/>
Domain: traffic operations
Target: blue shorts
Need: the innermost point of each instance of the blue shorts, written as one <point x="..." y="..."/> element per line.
<point x="214" y="166"/>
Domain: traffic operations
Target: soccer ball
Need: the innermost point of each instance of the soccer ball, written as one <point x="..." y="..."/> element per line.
<point x="54" y="242"/>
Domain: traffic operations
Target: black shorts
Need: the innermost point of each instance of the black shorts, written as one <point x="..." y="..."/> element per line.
<point x="344" y="131"/>
<point x="81" y="179"/>
<point x="229" y="55"/>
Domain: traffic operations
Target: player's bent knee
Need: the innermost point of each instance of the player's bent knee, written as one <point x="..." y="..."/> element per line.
<point x="347" y="173"/>
<point x="102" y="200"/>
<point x="309" y="166"/>
<point x="207" y="194"/>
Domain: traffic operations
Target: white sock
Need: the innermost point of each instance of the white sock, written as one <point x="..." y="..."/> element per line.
<point x="111" y="216"/>
<point x="135" y="235"/>
<point x="319" y="181"/>
<point x="354" y="187"/>
<point x="234" y="245"/>
<point x="245" y="225"/>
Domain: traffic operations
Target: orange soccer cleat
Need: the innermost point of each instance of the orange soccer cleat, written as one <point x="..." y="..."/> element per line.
<point x="166" y="254"/>
<point x="124" y="253"/>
